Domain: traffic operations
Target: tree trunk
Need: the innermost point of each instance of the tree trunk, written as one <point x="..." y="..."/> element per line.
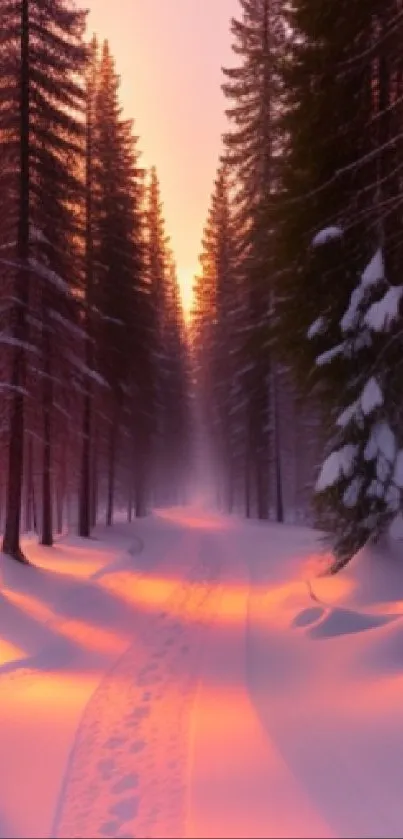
<point x="262" y="495"/>
<point x="29" y="487"/>
<point x="113" y="435"/>
<point x="94" y="480"/>
<point x="47" y="525"/>
<point x="85" y="518"/>
<point x="11" y="541"/>
<point x="61" y="492"/>
<point x="230" y="485"/>
<point x="247" y="486"/>
<point x="84" y="522"/>
<point x="277" y="450"/>
<point x="140" y="486"/>
<point x="130" y="499"/>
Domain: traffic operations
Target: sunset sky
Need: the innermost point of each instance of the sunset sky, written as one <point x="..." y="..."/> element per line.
<point x="169" y="54"/>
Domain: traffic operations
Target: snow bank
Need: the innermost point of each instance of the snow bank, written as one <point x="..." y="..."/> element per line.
<point x="327" y="679"/>
<point x="279" y="690"/>
<point x="61" y="626"/>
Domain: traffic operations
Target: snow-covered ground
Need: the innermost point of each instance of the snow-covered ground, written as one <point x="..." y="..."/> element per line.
<point x="190" y="675"/>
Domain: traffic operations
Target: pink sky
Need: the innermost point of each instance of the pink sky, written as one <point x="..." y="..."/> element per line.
<point x="169" y="54"/>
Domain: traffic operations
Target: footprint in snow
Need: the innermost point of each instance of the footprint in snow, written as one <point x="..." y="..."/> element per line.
<point x="125" y="809"/>
<point x="137" y="746"/>
<point x="140" y="713"/>
<point x="114" y="742"/>
<point x="148" y="679"/>
<point x="130" y="781"/>
<point x="106" y="767"/>
<point x="148" y="668"/>
<point x="109" y="828"/>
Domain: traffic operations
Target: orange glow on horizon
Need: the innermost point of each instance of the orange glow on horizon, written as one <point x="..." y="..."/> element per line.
<point x="186" y="282"/>
<point x="169" y="57"/>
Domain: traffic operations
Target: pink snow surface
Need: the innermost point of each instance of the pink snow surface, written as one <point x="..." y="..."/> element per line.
<point x="191" y="675"/>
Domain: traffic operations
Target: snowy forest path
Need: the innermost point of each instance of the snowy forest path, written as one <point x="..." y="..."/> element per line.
<point x="131" y="742"/>
<point x="171" y="742"/>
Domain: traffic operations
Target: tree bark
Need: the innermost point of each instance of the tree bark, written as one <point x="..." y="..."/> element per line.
<point x="47" y="523"/>
<point x="277" y="450"/>
<point x="61" y="492"/>
<point x="28" y="486"/>
<point x="113" y="436"/>
<point x="11" y="541"/>
<point x="85" y="517"/>
<point x="130" y="498"/>
<point x="94" y="485"/>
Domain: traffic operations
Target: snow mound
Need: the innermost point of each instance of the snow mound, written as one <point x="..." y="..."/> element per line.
<point x="376" y="575"/>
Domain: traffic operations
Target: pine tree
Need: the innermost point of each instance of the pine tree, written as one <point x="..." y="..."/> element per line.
<point x="215" y="341"/>
<point x="340" y="177"/>
<point x="84" y="525"/>
<point x="157" y="265"/>
<point x="253" y="146"/>
<point x="170" y="374"/>
<point x="42" y="53"/>
<point x="360" y="485"/>
<point x="341" y="166"/>
<point x="118" y="253"/>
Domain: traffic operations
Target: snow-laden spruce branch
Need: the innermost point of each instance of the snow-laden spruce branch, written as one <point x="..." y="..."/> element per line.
<point x="365" y="465"/>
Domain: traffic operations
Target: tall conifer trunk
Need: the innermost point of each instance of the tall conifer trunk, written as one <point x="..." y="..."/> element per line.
<point x="11" y="541"/>
<point x="85" y="517"/>
<point x="47" y="400"/>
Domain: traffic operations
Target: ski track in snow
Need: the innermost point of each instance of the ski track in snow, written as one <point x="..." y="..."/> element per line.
<point x="127" y="771"/>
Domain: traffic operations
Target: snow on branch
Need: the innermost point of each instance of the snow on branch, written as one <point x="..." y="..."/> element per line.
<point x="348" y="415"/>
<point x="382" y="314"/>
<point x="375" y="270"/>
<point x="329" y="355"/>
<point x="350" y="317"/>
<point x="5" y="338"/>
<point x="13" y="388"/>
<point x="398" y="470"/>
<point x="352" y="492"/>
<point x="373" y="274"/>
<point x="381" y="442"/>
<point x="49" y="275"/>
<point x="328" y="234"/>
<point x="340" y="463"/>
<point x="317" y="327"/>
<point x="371" y="396"/>
<point x="86" y="371"/>
<point x="36" y="235"/>
<point x="68" y="324"/>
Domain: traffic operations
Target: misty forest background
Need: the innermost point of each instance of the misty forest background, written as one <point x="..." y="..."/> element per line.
<point x="283" y="391"/>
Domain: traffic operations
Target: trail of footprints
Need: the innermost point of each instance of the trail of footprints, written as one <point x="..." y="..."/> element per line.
<point x="125" y="779"/>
